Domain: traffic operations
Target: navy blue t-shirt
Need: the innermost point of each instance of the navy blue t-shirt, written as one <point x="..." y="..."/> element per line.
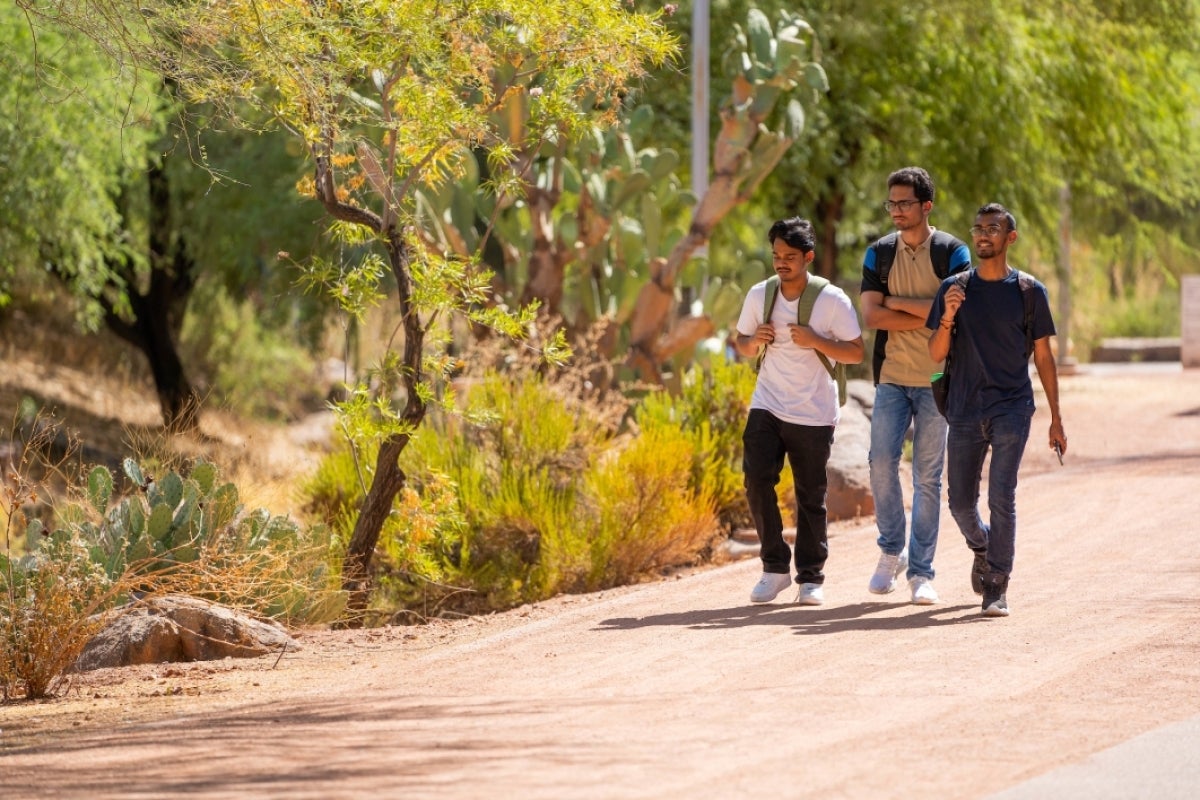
<point x="989" y="372"/>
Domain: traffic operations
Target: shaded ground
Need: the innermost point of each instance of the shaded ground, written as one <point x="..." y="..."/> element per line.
<point x="683" y="689"/>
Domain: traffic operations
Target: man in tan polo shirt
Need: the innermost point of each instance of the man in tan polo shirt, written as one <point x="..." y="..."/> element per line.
<point x="901" y="274"/>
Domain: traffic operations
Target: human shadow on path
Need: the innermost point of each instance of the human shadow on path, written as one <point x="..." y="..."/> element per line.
<point x="806" y="619"/>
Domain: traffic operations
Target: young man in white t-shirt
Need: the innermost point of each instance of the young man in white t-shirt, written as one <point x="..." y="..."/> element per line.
<point x="794" y="410"/>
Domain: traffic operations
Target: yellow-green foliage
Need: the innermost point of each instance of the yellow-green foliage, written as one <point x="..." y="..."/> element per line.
<point x="526" y="495"/>
<point x="711" y="412"/>
<point x="517" y="469"/>
<point x="647" y="517"/>
<point x="420" y="543"/>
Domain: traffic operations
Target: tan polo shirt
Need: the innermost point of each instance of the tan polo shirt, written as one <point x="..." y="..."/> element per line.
<point x="907" y="361"/>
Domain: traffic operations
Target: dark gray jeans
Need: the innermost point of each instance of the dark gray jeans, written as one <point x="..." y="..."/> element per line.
<point x="966" y="447"/>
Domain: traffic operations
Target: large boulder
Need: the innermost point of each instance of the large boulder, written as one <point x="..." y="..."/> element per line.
<point x="849" y="491"/>
<point x="181" y="628"/>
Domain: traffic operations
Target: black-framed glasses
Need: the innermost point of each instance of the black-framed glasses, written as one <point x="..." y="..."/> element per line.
<point x="902" y="205"/>
<point x="990" y="231"/>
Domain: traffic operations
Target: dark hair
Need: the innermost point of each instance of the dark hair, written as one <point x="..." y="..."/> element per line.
<point x="795" y="232"/>
<point x="996" y="208"/>
<point x="917" y="178"/>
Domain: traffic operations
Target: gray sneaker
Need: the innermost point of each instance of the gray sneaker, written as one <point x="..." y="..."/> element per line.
<point x="995" y="604"/>
<point x="883" y="581"/>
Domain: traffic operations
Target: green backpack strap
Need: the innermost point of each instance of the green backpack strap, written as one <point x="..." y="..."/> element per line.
<point x="772" y="291"/>
<point x="816" y="284"/>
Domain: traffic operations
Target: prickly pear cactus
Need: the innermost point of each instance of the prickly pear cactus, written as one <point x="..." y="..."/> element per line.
<point x="170" y="519"/>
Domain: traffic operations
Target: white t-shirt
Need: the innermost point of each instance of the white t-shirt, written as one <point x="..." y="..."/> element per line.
<point x="793" y="384"/>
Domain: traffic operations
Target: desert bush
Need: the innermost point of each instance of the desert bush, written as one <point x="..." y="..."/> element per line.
<point x="184" y="533"/>
<point x="420" y="544"/>
<point x="50" y="606"/>
<point x="527" y="493"/>
<point x="190" y="533"/>
<point x="518" y="468"/>
<point x="647" y="516"/>
<point x="50" y="589"/>
<point x="710" y="411"/>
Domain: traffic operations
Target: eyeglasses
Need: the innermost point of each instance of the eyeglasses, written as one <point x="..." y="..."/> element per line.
<point x="990" y="231"/>
<point x="902" y="205"/>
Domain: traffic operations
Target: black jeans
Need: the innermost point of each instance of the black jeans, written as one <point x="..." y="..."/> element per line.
<point x="765" y="442"/>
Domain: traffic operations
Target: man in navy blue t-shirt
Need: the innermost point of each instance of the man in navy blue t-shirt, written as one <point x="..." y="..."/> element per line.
<point x="983" y="318"/>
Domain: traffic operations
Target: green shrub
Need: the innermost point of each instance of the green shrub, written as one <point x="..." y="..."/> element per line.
<point x="420" y="544"/>
<point x="711" y="412"/>
<point x="525" y="495"/>
<point x="647" y="517"/>
<point x="516" y="459"/>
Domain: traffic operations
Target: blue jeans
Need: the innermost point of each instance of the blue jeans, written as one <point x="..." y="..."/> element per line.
<point x="896" y="407"/>
<point x="966" y="449"/>
<point x="766" y="440"/>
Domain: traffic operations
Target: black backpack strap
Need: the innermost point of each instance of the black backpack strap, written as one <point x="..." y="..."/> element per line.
<point x="1026" y="282"/>
<point x="885" y="254"/>
<point x="941" y="248"/>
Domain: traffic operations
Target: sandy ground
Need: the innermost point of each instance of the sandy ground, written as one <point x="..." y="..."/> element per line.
<point x="683" y="689"/>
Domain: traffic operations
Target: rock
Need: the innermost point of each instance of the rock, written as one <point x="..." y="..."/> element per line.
<point x="180" y="628"/>
<point x="849" y="492"/>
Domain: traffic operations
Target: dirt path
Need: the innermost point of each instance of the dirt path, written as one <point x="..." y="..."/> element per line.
<point x="682" y="689"/>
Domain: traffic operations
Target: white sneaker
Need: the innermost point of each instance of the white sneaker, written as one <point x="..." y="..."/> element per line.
<point x="923" y="593"/>
<point x="811" y="594"/>
<point x="768" y="586"/>
<point x="886" y="572"/>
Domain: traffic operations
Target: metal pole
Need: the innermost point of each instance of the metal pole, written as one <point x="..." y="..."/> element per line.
<point x="700" y="121"/>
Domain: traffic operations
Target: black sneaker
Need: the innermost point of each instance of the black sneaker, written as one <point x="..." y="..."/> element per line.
<point x="994" y="602"/>
<point x="996" y="608"/>
<point x="978" y="570"/>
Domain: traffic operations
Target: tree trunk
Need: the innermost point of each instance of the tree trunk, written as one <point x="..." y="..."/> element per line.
<point x="152" y="333"/>
<point x="158" y="311"/>
<point x="389" y="479"/>
<point x="829" y="215"/>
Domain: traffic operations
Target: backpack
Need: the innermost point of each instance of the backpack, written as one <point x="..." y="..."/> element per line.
<point x="941" y="247"/>
<point x="808" y="299"/>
